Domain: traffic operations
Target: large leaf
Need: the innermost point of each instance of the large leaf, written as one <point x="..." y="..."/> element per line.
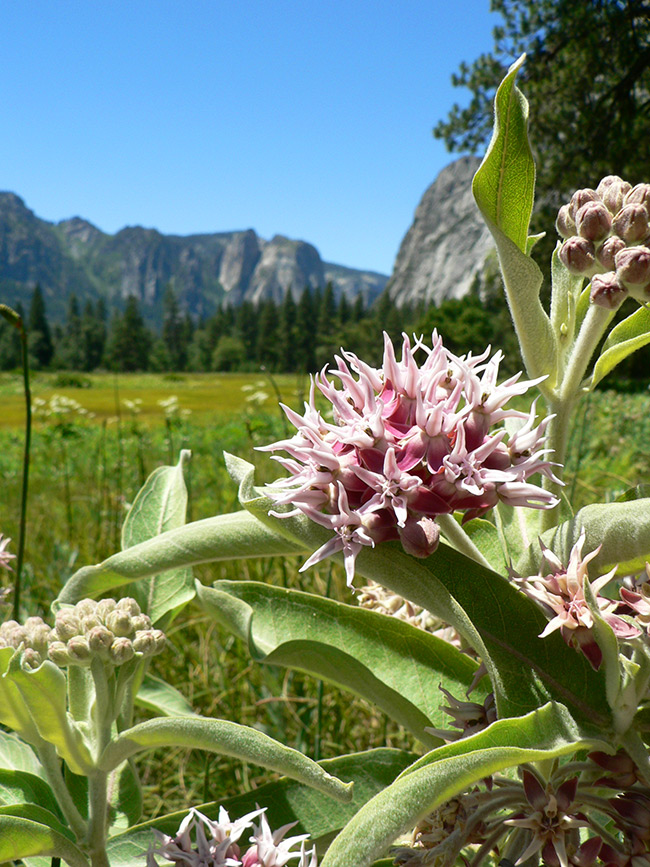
<point x="621" y="528"/>
<point x="160" y="506"/>
<point x="286" y="801"/>
<point x="16" y="755"/>
<point x="388" y="662"/>
<point x="44" y="691"/>
<point x="27" y="830"/>
<point x="20" y="787"/>
<point x="504" y="187"/>
<point x="226" y="738"/>
<point x="233" y="536"/>
<point x="628" y="336"/>
<point x="545" y="734"/>
<point x="163" y="698"/>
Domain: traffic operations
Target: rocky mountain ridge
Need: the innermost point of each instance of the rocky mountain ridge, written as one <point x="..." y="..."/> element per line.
<point x="205" y="270"/>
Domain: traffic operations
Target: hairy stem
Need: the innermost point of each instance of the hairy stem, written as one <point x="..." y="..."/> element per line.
<point x="459" y="539"/>
<point x="52" y="767"/>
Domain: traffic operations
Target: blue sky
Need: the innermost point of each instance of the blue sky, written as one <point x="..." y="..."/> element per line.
<point x="307" y="119"/>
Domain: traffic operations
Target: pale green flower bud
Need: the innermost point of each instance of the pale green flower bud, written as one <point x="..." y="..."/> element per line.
<point x="67" y="624"/>
<point x="593" y="221"/>
<point x="31" y="658"/>
<point x="639" y="195"/>
<point x="578" y="255"/>
<point x="148" y="642"/>
<point x="580" y="198"/>
<point x="121" y="651"/>
<point x="631" y="223"/>
<point x="119" y="622"/>
<point x="633" y="267"/>
<point x="90" y="622"/>
<point x="565" y="224"/>
<point x="104" y="608"/>
<point x="612" y="190"/>
<point x="100" y="640"/>
<point x="85" y="608"/>
<point x="13" y="633"/>
<point x="79" y="650"/>
<point x="142" y="621"/>
<point x="37" y="634"/>
<point x="129" y="605"/>
<point x="606" y="291"/>
<point x="606" y="253"/>
<point x="58" y="653"/>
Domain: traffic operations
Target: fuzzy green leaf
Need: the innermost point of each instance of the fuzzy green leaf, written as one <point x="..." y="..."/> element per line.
<point x="19" y="787"/>
<point x="628" y="336"/>
<point x="163" y="698"/>
<point x="388" y="662"/>
<point x="286" y="801"/>
<point x="226" y="738"/>
<point x="504" y="188"/>
<point x="27" y="830"/>
<point x="16" y="755"/>
<point x="547" y="733"/>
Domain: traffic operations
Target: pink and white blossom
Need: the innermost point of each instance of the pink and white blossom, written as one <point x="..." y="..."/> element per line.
<point x="5" y="556"/>
<point x="407" y="443"/>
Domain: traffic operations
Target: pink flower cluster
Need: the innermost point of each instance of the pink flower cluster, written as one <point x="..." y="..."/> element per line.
<point x="408" y="443"/>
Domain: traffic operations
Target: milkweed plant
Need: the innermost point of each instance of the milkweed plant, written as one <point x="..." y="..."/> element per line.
<point x="507" y="633"/>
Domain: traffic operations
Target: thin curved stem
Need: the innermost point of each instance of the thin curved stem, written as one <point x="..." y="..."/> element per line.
<point x="459" y="539"/>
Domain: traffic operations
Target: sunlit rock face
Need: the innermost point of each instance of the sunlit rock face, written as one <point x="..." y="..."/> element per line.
<point x="447" y="244"/>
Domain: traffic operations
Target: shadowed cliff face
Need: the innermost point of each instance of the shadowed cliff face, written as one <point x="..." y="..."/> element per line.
<point x="447" y="243"/>
<point x="204" y="270"/>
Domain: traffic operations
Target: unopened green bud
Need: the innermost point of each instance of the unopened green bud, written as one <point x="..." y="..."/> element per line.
<point x="580" y="198"/>
<point x="104" y="608"/>
<point x="129" y="605"/>
<point x="119" y="622"/>
<point x="639" y="195"/>
<point x="58" y="653"/>
<point x="37" y="634"/>
<point x="90" y="622"/>
<point x="79" y="650"/>
<point x="607" y="291"/>
<point x="578" y="255"/>
<point x="606" y="253"/>
<point x="67" y="624"/>
<point x="121" y="651"/>
<point x="612" y="190"/>
<point x="85" y="608"/>
<point x="13" y="633"/>
<point x="142" y="621"/>
<point x="565" y="224"/>
<point x="31" y="658"/>
<point x="593" y="221"/>
<point x="11" y="316"/>
<point x="633" y="267"/>
<point x="148" y="642"/>
<point x="631" y="223"/>
<point x="100" y="640"/>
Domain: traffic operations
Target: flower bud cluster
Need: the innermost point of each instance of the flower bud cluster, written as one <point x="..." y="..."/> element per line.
<point x="607" y="239"/>
<point x="114" y="631"/>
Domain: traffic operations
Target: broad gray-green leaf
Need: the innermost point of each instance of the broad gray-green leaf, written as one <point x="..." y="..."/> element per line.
<point x="545" y="734"/>
<point x="504" y="187"/>
<point x="233" y="536"/>
<point x="388" y="662"/>
<point x="622" y="529"/>
<point x="162" y="697"/>
<point x="14" y="713"/>
<point x="286" y="801"/>
<point x="628" y="336"/>
<point x="19" y="787"/>
<point x="44" y="691"/>
<point x="486" y="537"/>
<point x="27" y="830"/>
<point x="16" y="755"/>
<point x="226" y="738"/>
<point x="160" y="506"/>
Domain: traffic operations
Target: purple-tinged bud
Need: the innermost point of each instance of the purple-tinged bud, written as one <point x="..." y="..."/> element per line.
<point x="119" y="622"/>
<point x="631" y="223"/>
<point x="142" y="621"/>
<point x="31" y="658"/>
<point x="612" y="190"/>
<point x="633" y="267"/>
<point x="67" y="624"/>
<point x="129" y="605"/>
<point x="580" y="198"/>
<point x="37" y="634"/>
<point x="121" y="651"/>
<point x="565" y="224"/>
<point x="593" y="221"/>
<point x="606" y="253"/>
<point x="621" y="770"/>
<point x="104" y="608"/>
<point x="100" y="640"/>
<point x="606" y="291"/>
<point x="148" y="642"/>
<point x="79" y="650"/>
<point x="90" y="622"/>
<point x="58" y="653"/>
<point x="639" y="195"/>
<point x="419" y="537"/>
<point x="578" y="255"/>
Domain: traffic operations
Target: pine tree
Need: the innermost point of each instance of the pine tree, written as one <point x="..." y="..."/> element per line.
<point x="306" y="333"/>
<point x="173" y="331"/>
<point x="129" y="341"/>
<point x="39" y="337"/>
<point x="93" y="333"/>
<point x="69" y="352"/>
